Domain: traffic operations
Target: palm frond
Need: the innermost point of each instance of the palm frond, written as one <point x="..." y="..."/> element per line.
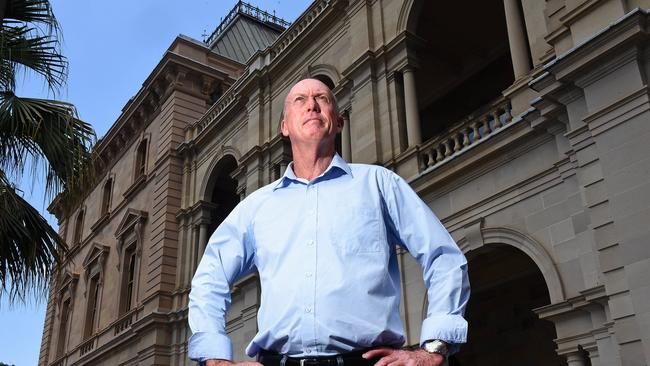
<point x="46" y="131"/>
<point x="31" y="11"/>
<point x="21" y="46"/>
<point x="29" y="248"/>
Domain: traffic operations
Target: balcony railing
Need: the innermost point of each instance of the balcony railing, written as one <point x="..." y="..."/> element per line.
<point x="87" y="346"/>
<point x="124" y="323"/>
<point x="244" y="8"/>
<point x="465" y="134"/>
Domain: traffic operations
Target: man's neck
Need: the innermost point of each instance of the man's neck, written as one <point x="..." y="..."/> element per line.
<point x="310" y="163"/>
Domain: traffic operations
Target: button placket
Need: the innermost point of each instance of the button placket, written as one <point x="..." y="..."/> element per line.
<point x="310" y="219"/>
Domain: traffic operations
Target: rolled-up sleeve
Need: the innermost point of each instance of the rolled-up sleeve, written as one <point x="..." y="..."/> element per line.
<point x="444" y="265"/>
<point x="228" y="256"/>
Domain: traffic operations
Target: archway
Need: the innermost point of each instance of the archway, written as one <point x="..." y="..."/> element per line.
<point x="222" y="190"/>
<point x="463" y="61"/>
<point x="503" y="329"/>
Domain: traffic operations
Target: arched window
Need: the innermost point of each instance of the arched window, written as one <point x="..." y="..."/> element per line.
<point x="78" y="228"/>
<point x="141" y="159"/>
<point x="106" y="196"/>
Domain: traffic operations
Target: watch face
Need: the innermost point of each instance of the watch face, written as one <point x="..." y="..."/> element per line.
<point x="436" y="346"/>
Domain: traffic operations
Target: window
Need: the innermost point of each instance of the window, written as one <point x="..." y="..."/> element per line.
<point x="66" y="285"/>
<point x="78" y="228"/>
<point x="106" y="196"/>
<point x="92" y="312"/>
<point x="63" y="328"/>
<point x="129" y="246"/>
<point x="129" y="279"/>
<point x="94" y="274"/>
<point x="141" y="159"/>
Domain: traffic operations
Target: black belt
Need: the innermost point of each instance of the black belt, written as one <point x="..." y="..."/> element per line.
<point x="268" y="358"/>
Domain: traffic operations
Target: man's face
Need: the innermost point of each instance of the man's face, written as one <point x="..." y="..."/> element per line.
<point x="310" y="114"/>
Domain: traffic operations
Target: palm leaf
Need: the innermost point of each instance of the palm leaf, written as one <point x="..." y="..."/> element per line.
<point x="29" y="247"/>
<point x="29" y="11"/>
<point x="20" y="46"/>
<point x="48" y="133"/>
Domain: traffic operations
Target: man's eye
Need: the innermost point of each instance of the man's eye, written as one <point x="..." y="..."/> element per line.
<point x="323" y="98"/>
<point x="299" y="99"/>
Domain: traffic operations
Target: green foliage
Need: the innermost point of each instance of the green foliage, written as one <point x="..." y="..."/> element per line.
<point x="39" y="134"/>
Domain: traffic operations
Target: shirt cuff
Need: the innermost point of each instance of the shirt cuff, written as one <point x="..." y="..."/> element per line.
<point x="206" y="346"/>
<point x="449" y="328"/>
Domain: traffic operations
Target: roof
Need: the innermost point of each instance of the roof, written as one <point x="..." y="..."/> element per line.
<point x="244" y="31"/>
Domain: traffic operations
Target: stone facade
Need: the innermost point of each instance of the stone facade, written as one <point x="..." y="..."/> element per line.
<point x="523" y="124"/>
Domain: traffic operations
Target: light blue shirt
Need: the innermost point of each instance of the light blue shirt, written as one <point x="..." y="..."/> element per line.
<point x="325" y="251"/>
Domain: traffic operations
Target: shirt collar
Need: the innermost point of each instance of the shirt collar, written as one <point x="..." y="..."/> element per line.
<point x="337" y="162"/>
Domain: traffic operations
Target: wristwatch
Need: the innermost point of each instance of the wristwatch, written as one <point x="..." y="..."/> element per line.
<point x="436" y="346"/>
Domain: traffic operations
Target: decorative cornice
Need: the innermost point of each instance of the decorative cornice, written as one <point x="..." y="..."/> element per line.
<point x="629" y="28"/>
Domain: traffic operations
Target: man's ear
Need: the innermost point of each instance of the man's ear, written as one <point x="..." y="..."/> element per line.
<point x="340" y="122"/>
<point x="283" y="128"/>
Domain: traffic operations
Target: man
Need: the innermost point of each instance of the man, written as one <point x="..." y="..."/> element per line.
<point x="323" y="240"/>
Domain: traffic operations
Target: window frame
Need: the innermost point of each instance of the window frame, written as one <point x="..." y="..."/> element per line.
<point x="77" y="233"/>
<point x="93" y="265"/>
<point x="67" y="286"/>
<point x="129" y="237"/>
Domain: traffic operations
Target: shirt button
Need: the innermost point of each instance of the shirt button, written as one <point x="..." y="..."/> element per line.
<point x="308" y="309"/>
<point x="308" y="274"/>
<point x="307" y="351"/>
<point x="310" y="243"/>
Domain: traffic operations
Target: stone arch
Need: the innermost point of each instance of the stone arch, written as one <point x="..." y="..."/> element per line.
<point x="511" y="276"/>
<point x="449" y="72"/>
<point x="327" y="71"/>
<point x="209" y="180"/>
<point x="535" y="251"/>
<point x="405" y="21"/>
<point x="529" y="246"/>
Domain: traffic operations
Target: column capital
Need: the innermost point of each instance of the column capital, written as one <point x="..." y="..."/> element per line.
<point x="408" y="68"/>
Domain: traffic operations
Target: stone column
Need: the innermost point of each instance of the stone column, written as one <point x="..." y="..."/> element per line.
<point x="283" y="168"/>
<point x="187" y="253"/>
<point x="517" y="38"/>
<point x="194" y="251"/>
<point x="203" y="240"/>
<point x="414" y="135"/>
<point x="576" y="359"/>
<point x="345" y="138"/>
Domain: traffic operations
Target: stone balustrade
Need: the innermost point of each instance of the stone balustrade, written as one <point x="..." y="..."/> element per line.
<point x="124" y="323"/>
<point x="465" y="134"/>
<point x="87" y="346"/>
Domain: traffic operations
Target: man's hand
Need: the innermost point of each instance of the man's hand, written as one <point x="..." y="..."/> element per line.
<point x="230" y="363"/>
<point x="401" y="357"/>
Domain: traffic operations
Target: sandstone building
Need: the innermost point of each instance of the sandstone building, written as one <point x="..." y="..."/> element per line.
<point x="524" y="124"/>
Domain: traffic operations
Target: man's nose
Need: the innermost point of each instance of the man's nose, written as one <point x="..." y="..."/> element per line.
<point x="312" y="104"/>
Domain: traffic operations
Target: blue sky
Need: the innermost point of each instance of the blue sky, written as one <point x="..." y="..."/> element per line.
<point x="111" y="46"/>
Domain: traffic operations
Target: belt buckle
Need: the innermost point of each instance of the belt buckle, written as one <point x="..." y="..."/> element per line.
<point x="308" y="361"/>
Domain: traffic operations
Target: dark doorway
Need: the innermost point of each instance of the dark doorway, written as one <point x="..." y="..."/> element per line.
<point x="224" y="190"/>
<point x="463" y="58"/>
<point x="503" y="329"/>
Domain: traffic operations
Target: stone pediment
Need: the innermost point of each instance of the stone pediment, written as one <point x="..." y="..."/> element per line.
<point x="67" y="277"/>
<point x="97" y="251"/>
<point x="129" y="221"/>
<point x="66" y="286"/>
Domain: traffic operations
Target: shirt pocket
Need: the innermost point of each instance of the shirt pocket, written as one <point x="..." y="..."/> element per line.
<point x="356" y="229"/>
